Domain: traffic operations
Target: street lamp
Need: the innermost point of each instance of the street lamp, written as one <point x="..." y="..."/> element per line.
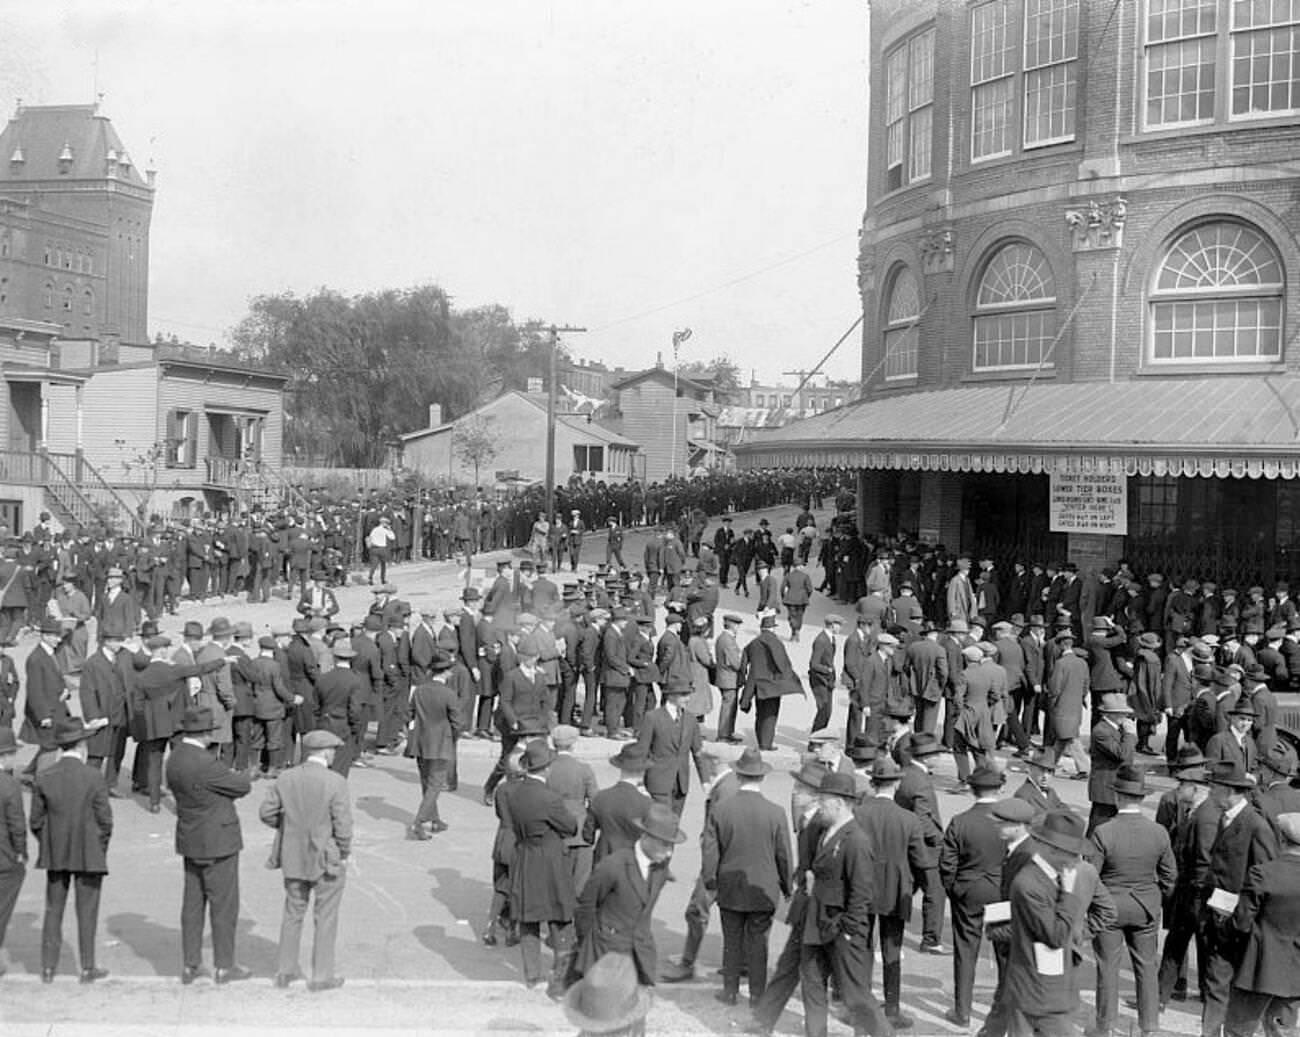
<point x="678" y="338"/>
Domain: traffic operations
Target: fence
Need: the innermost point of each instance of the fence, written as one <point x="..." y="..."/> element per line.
<point x="363" y="479"/>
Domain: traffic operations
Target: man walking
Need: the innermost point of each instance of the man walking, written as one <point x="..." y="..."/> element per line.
<point x="766" y="674"/>
<point x="821" y="669"/>
<point x="435" y="724"/>
<point x="311" y="811"/>
<point x="13" y="833"/>
<point x="209" y="840"/>
<point x="746" y="851"/>
<point x="73" y="822"/>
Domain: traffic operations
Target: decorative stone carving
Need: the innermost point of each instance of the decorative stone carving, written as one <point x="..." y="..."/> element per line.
<point x="866" y="270"/>
<point x="938" y="247"/>
<point x="1099" y="226"/>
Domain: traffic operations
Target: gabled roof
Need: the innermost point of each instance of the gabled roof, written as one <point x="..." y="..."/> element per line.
<point x="39" y="134"/>
<point x="661" y="374"/>
<point x="538" y="400"/>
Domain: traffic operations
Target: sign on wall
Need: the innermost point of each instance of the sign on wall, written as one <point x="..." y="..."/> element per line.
<point x="1089" y="502"/>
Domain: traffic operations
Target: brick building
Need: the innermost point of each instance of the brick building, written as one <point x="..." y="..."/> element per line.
<point x="1080" y="278"/>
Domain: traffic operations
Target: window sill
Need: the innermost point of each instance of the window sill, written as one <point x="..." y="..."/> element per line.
<point x="1201" y="129"/>
<point x="900" y="381"/>
<point x="1222" y="368"/>
<point x="1013" y="374"/>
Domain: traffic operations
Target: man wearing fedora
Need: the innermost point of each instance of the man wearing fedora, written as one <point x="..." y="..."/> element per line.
<point x="103" y="694"/>
<point x="1146" y="688"/>
<point x="1243" y="841"/>
<point x="1036" y="789"/>
<point x="1067" y="687"/>
<point x="766" y="674"/>
<point x="915" y="792"/>
<point x="613" y="813"/>
<point x="821" y="669"/>
<point x="615" y="912"/>
<point x="1045" y="909"/>
<point x="433" y="726"/>
<point x="970" y="867"/>
<point x="747" y="864"/>
<point x="216" y="688"/>
<point x="609" y="1000"/>
<point x="340" y="704"/>
<point x="47" y="697"/>
<point x="1267" y="981"/>
<point x="1237" y="743"/>
<point x="13" y="833"/>
<point x="1276" y="794"/>
<point x="837" y="922"/>
<point x="208" y="838"/>
<point x="311" y="811"/>
<point x="898" y="853"/>
<point x="670" y="737"/>
<point x="1136" y="864"/>
<point x="73" y="822"/>
<point x="1113" y="743"/>
<point x="541" y="882"/>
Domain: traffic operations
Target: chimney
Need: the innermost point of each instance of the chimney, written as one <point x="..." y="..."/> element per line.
<point x="435" y="415"/>
<point x="659" y="360"/>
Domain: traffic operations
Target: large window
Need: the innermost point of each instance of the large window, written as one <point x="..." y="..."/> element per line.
<point x="901" y="332"/>
<point x="1043" y="52"/>
<point x="1220" y="59"/>
<point x="1015" y="309"/>
<point x="909" y="107"/>
<point x="588" y="458"/>
<point x="1218" y="297"/>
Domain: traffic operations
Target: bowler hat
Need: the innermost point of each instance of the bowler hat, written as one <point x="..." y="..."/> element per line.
<point x="321" y="739"/>
<point x="810" y="773"/>
<point x="750" y="764"/>
<point x="1062" y="830"/>
<point x="537" y="756"/>
<point x="1188" y="756"/>
<point x="1130" y="781"/>
<point x="609" y="997"/>
<point x="835" y="784"/>
<point x="986" y="778"/>
<point x="1114" y="702"/>
<point x="1243" y="707"/>
<point x="70" y="731"/>
<point x="197" y="721"/>
<point x="51" y="626"/>
<point x="886" y="769"/>
<point x="631" y="757"/>
<point x="863" y="749"/>
<point x="661" y="823"/>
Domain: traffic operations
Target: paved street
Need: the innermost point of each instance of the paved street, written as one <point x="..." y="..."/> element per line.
<point x="412" y="912"/>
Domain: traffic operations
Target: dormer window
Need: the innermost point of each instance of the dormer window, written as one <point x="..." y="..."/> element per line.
<point x="17" y="158"/>
<point x="65" y="158"/>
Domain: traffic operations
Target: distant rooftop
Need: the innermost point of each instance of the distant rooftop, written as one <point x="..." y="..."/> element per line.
<point x="65" y="142"/>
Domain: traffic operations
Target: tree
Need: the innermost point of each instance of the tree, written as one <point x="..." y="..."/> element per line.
<point x="722" y="369"/>
<point x="476" y="441"/>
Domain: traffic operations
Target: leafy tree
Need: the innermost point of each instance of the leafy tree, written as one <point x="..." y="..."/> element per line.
<point x="476" y="441"/>
<point x="722" y="369"/>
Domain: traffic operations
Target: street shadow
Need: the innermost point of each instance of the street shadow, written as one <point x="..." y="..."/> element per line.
<point x="382" y="810"/>
<point x="23" y="941"/>
<point x="471" y="959"/>
<point x="159" y="945"/>
<point x="462" y="896"/>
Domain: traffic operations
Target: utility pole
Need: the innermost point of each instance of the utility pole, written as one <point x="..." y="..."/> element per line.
<point x="803" y="377"/>
<point x="551" y="390"/>
<point x="678" y="338"/>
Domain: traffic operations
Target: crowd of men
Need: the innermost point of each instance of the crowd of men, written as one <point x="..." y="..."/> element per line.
<point x="539" y="658"/>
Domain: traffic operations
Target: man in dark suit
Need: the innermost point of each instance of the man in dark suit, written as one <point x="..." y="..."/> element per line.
<point x="72" y="821"/>
<point x="670" y="737"/>
<point x="746" y="860"/>
<point x="1243" y="841"/>
<point x="103" y="697"/>
<point x="615" y="911"/>
<point x="1037" y="788"/>
<point x="1013" y="817"/>
<point x="837" y="922"/>
<point x="367" y="665"/>
<point x="613" y="814"/>
<point x="1113" y="743"/>
<point x="796" y="593"/>
<point x="821" y="670"/>
<point x="1236" y="744"/>
<point x="46" y="702"/>
<point x="500" y="597"/>
<point x="117" y="611"/>
<point x="13" y="832"/>
<point x="435" y="723"/>
<point x="766" y="674"/>
<point x="1267" y="982"/>
<point x="301" y="672"/>
<point x="521" y="707"/>
<point x="915" y="792"/>
<point x="970" y="867"/>
<point x="541" y="882"/>
<point x="1045" y="910"/>
<point x="340" y="704"/>
<point x="927" y="670"/>
<point x="898" y="854"/>
<point x="209" y="840"/>
<point x="1136" y="864"/>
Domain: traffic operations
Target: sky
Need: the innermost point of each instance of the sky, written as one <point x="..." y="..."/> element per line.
<point x="631" y="168"/>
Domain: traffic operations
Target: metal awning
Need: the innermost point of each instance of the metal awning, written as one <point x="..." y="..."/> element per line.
<point x="1225" y="426"/>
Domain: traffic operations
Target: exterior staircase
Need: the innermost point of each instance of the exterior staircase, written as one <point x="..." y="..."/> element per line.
<point x="76" y="493"/>
<point x="252" y="484"/>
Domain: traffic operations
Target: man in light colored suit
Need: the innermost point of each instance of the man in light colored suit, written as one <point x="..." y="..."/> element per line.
<point x="311" y="810"/>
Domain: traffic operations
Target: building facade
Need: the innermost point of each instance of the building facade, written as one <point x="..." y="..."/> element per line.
<point x="672" y="419"/>
<point x="1080" y="273"/>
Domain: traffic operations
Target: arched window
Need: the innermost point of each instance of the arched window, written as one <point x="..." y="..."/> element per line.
<point x="902" y="313"/>
<point x="1015" y="309"/>
<point x="1217" y="297"/>
<point x="67" y="298"/>
<point x="49" y="296"/>
<point x="88" y="302"/>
